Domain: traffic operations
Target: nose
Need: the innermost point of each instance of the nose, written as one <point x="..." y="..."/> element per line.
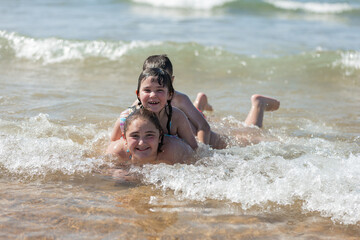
<point x="141" y="141"/>
<point x="152" y="94"/>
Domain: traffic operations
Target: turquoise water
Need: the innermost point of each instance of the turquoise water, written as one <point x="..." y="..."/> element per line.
<point x="68" y="68"/>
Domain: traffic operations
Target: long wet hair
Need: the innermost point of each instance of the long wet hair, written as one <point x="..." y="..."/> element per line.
<point x="145" y="114"/>
<point x="164" y="79"/>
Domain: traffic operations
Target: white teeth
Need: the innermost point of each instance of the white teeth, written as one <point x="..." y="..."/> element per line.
<point x="142" y="149"/>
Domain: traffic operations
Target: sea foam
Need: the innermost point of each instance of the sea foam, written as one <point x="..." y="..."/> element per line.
<point x="350" y="59"/>
<point x="191" y="4"/>
<point x="320" y="173"/>
<point x="311" y="7"/>
<point x="327" y="185"/>
<point x="38" y="147"/>
<point x="54" y="50"/>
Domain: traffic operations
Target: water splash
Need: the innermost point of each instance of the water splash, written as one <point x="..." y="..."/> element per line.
<point x="351" y="59"/>
<point x="39" y="147"/>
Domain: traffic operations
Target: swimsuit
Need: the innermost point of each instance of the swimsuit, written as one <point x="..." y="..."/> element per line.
<point x="123" y="117"/>
<point x="201" y="112"/>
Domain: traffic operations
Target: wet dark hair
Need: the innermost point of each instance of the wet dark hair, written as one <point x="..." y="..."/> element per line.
<point x="159" y="61"/>
<point x="164" y="79"/>
<point x="143" y="113"/>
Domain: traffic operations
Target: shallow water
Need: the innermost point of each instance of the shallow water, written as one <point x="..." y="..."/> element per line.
<point x="67" y="69"/>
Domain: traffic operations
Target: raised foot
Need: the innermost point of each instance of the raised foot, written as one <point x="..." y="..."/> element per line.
<point x="201" y="102"/>
<point x="267" y="103"/>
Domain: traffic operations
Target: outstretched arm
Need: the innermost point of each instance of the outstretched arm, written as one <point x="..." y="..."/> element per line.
<point x="195" y="117"/>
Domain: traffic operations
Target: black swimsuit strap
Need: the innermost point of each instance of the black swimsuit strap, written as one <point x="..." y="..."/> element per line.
<point x="168" y="124"/>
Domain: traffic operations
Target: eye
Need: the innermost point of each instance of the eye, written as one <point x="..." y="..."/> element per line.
<point x="160" y="90"/>
<point x="150" y="135"/>
<point x="134" y="136"/>
<point x="146" y="90"/>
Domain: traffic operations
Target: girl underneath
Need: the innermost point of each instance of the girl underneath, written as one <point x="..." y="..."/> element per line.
<point x="145" y="143"/>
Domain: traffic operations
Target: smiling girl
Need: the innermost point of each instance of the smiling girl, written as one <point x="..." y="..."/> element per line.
<point x="145" y="143"/>
<point x="155" y="92"/>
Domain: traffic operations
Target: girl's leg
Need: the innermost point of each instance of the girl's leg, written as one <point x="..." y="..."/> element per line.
<point x="259" y="104"/>
<point x="201" y="102"/>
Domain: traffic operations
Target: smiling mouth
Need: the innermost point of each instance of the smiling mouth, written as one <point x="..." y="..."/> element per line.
<point x="142" y="150"/>
<point x="153" y="103"/>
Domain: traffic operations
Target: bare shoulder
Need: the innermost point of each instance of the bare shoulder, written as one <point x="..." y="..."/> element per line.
<point x="180" y="95"/>
<point x="178" y="113"/>
<point x="175" y="150"/>
<point x="181" y="100"/>
<point x="118" y="150"/>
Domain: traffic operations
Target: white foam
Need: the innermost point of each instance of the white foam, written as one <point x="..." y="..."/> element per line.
<point x="319" y="174"/>
<point x="192" y="4"/>
<point x="350" y="59"/>
<point x="5" y="100"/>
<point x="322" y="174"/>
<point x="54" y="50"/>
<point x="37" y="147"/>
<point x="312" y="7"/>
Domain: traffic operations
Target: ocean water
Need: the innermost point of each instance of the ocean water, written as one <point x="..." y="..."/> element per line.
<point x="68" y="68"/>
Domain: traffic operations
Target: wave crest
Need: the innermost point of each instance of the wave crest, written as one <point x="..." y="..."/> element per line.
<point x="54" y="50"/>
<point x="311" y="7"/>
<point x="197" y="4"/>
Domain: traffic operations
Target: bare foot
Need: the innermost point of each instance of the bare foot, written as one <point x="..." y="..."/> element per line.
<point x="260" y="104"/>
<point x="201" y="102"/>
<point x="267" y="103"/>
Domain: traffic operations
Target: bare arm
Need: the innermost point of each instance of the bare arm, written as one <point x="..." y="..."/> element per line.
<point x="175" y="151"/>
<point x="116" y="132"/>
<point x="183" y="128"/>
<point x="135" y="103"/>
<point x="196" y="118"/>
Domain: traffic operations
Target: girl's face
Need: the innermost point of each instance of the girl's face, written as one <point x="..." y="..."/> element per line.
<point x="143" y="139"/>
<point x="152" y="95"/>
